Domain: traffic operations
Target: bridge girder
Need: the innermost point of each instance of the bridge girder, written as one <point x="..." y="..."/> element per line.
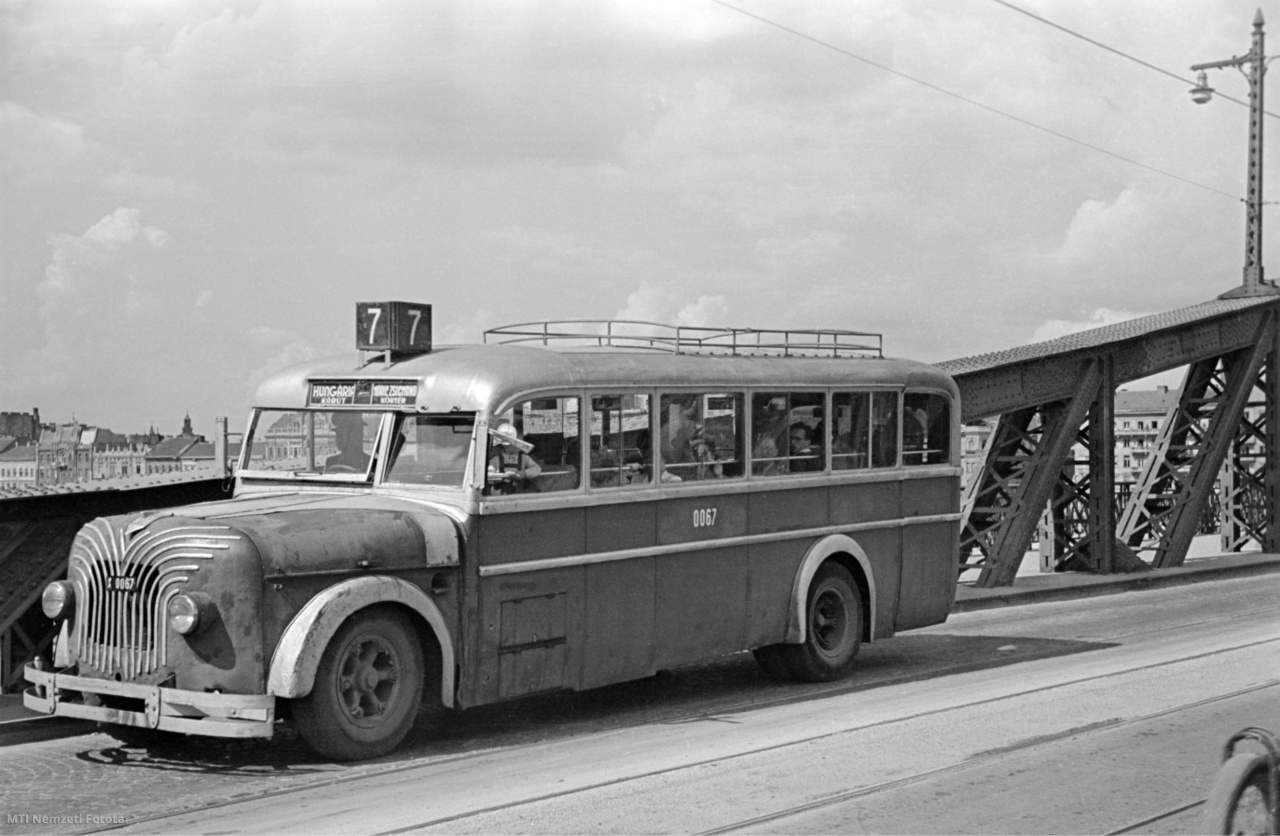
<point x="1024" y="456"/>
<point x="1042" y="397"/>
<point x="1179" y="477"/>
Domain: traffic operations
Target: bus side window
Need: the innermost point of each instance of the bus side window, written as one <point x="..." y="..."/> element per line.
<point x="884" y="429"/>
<point x="851" y="430"/>
<point x="926" y="428"/>
<point x="621" y="443"/>
<point x="701" y="436"/>
<point x="548" y="427"/>
<point x="789" y="431"/>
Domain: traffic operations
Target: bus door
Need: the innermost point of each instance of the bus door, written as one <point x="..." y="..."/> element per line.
<point x="531" y="610"/>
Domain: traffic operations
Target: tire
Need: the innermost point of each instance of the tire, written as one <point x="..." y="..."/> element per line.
<point x="772" y="661"/>
<point x="833" y="634"/>
<point x="1240" y="799"/>
<point x="367" y="690"/>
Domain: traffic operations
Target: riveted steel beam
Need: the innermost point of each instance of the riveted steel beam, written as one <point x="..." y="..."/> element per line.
<point x="1178" y="480"/>
<point x="1077" y="530"/>
<point x="1027" y="376"/>
<point x="1026" y="455"/>
<point x="1244" y="516"/>
<point x="1270" y="386"/>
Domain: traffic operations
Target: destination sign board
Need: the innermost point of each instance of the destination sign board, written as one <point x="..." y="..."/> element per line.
<point x="362" y="393"/>
<point x="393" y="326"/>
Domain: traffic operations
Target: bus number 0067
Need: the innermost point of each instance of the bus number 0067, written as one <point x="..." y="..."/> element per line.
<point x="704" y="517"/>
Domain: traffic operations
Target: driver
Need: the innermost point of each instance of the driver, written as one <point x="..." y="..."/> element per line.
<point x="510" y="467"/>
<point x="348" y="434"/>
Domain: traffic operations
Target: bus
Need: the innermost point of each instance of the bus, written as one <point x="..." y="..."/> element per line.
<point x="565" y="506"/>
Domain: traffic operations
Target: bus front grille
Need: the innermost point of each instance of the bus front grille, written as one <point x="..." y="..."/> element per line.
<point x="124" y="577"/>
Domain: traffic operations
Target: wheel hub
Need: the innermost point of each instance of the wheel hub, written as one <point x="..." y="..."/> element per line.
<point x="370" y="671"/>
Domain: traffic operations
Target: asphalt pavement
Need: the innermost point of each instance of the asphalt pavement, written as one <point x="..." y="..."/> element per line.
<point x="20" y="725"/>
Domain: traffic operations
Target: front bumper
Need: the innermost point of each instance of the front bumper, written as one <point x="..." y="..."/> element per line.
<point x="167" y="709"/>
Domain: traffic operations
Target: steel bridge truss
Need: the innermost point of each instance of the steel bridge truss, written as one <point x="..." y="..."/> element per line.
<point x="1051" y="466"/>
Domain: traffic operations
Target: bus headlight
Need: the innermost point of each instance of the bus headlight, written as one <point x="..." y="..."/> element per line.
<point x="58" y="600"/>
<point x="190" y="612"/>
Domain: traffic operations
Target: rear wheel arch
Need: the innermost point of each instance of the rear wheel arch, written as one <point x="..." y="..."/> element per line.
<point x="297" y="655"/>
<point x="844" y="550"/>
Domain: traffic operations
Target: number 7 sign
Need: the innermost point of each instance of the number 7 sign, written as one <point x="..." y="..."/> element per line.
<point x="393" y="326"/>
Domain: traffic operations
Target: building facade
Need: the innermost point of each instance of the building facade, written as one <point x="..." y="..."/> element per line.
<point x="18" y="467"/>
<point x="23" y="427"/>
<point x="1140" y="414"/>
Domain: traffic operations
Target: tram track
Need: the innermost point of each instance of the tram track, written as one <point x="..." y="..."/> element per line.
<point x="1159" y="817"/>
<point x="982" y="760"/>
<point x="833" y="799"/>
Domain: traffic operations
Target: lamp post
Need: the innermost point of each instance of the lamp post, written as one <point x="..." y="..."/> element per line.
<point x="1254" y="67"/>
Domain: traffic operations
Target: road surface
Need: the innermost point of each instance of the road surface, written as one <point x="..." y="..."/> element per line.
<point x="1099" y="715"/>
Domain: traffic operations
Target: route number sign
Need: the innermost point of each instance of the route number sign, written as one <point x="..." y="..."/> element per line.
<point x="393" y="326"/>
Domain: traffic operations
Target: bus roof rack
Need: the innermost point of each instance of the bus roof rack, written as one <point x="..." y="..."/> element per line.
<point x="684" y="339"/>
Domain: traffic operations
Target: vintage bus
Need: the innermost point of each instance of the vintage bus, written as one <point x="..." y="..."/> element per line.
<point x="565" y="506"/>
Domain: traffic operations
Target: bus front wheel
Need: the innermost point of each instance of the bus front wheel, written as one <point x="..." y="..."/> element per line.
<point x="1240" y="801"/>
<point x="367" y="688"/>
<point x="833" y="627"/>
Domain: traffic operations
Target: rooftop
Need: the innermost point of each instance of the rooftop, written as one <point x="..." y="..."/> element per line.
<point x="122" y="484"/>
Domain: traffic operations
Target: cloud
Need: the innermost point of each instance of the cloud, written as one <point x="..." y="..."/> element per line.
<point x="288" y="349"/>
<point x="38" y="149"/>
<point x="1099" y="227"/>
<point x="648" y="303"/>
<point x="1054" y="328"/>
<point x="707" y="311"/>
<point x="485" y="82"/>
<point x="101" y="273"/>
<point x="652" y="303"/>
<point x="148" y="187"/>
<point x="463" y="330"/>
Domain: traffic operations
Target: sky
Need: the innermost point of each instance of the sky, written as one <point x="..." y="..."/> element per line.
<point x="196" y="193"/>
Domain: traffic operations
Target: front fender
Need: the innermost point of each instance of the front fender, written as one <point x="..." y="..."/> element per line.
<point x="297" y="656"/>
<point x="820" y="551"/>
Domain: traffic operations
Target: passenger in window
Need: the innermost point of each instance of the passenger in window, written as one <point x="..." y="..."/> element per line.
<point x="511" y="468"/>
<point x="703" y="452"/>
<point x="765" y="458"/>
<point x="348" y="435"/>
<point x="884" y="429"/>
<point x="681" y="429"/>
<point x="805" y="458"/>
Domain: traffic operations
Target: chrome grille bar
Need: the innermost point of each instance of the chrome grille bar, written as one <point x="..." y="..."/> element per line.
<point x="123" y="589"/>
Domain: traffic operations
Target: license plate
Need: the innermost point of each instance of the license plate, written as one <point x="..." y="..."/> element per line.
<point x="121" y="583"/>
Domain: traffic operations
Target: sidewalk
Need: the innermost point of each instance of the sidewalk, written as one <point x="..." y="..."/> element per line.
<point x="1032" y="586"/>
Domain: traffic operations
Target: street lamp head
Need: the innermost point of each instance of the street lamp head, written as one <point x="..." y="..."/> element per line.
<point x="1202" y="92"/>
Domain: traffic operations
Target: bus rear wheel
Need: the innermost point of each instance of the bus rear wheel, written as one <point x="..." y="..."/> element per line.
<point x="367" y="689"/>
<point x="833" y="627"/>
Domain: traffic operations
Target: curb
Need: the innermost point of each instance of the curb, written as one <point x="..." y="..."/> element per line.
<point x="1155" y="579"/>
<point x="39" y="728"/>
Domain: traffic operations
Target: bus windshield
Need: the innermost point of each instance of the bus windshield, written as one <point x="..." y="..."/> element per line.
<point x="313" y="442"/>
<point x="430" y="450"/>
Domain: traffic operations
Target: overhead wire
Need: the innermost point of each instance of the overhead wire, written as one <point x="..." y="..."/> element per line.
<point x="1121" y="53"/>
<point x="960" y="97"/>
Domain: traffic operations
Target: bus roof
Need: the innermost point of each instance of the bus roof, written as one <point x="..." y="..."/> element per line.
<point x="481" y="378"/>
